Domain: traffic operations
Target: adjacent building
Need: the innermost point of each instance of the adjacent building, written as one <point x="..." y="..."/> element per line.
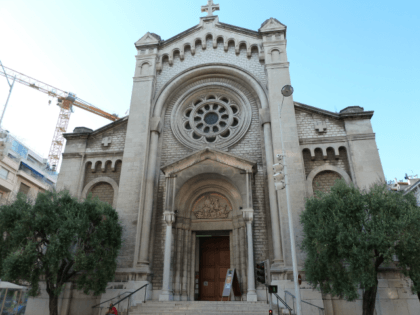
<point x="22" y="170"/>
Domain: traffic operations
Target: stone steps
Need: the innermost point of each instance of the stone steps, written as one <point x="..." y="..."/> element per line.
<point x="202" y="307"/>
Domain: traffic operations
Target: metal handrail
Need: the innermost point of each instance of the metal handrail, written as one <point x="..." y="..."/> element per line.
<point x="111" y="298"/>
<point x="283" y="302"/>
<point x="128" y="303"/>
<point x="320" y="309"/>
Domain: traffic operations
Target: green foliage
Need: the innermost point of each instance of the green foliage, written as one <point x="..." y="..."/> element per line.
<point x="349" y="233"/>
<point x="57" y="238"/>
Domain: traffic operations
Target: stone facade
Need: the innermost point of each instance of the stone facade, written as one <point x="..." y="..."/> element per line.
<point x="194" y="158"/>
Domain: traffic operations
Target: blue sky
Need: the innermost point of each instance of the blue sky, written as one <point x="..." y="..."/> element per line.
<point x="341" y="53"/>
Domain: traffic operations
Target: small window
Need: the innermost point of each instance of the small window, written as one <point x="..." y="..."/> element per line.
<point x="1" y="195"/>
<point x="24" y="188"/>
<point x="3" y="173"/>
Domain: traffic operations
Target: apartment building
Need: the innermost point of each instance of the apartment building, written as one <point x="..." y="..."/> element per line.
<point x="22" y="170"/>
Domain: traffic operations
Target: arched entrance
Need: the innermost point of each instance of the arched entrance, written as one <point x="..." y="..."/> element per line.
<point x="207" y="205"/>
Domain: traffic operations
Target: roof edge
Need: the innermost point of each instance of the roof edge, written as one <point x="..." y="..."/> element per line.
<point x="84" y="135"/>
<point x="355" y="115"/>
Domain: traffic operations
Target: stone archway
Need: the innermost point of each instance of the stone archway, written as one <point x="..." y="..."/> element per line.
<point x="103" y="179"/>
<point x="333" y="169"/>
<point x="207" y="191"/>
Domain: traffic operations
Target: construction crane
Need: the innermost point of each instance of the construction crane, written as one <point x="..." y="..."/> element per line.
<point x="65" y="100"/>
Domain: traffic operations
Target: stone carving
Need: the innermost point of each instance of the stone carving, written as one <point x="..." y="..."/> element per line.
<point x="106" y="141"/>
<point x="321" y="127"/>
<point x="212" y="206"/>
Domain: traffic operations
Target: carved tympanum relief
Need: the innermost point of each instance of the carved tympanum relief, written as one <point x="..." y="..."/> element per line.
<point x="212" y="206"/>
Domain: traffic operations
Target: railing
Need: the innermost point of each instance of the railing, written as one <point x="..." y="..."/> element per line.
<point x="284" y="303"/>
<point x="311" y="306"/>
<point x="119" y="300"/>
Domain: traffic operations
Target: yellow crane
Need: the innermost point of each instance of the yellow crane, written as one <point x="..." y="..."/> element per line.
<point x="65" y="100"/>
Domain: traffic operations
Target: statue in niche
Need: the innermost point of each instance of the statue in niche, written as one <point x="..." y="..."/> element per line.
<point x="211" y="208"/>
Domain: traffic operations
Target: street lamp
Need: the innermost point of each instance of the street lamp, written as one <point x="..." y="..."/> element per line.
<point x="282" y="178"/>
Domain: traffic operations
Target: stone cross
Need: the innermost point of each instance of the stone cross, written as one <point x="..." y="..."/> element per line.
<point x="321" y="127"/>
<point x="210" y="8"/>
<point x="106" y="141"/>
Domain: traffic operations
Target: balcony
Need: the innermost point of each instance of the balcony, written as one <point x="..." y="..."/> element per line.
<point x="6" y="184"/>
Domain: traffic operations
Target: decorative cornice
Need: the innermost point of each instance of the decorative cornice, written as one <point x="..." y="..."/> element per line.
<point x="324" y="140"/>
<point x="361" y="136"/>
<point x="104" y="153"/>
<point x="72" y="155"/>
<point x="277" y="65"/>
<point x="144" y="78"/>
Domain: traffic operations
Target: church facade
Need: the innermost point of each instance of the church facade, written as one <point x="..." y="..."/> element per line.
<point x="190" y="169"/>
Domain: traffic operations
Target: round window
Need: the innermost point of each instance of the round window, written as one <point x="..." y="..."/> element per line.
<point x="211" y="118"/>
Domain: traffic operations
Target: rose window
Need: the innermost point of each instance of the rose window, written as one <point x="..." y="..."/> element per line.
<point x="211" y="118"/>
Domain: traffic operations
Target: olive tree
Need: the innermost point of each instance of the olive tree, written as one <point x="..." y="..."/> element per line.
<point x="57" y="238"/>
<point x="348" y="234"/>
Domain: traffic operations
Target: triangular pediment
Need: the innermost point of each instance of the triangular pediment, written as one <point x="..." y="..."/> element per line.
<point x="272" y="25"/>
<point x="148" y="39"/>
<point x="210" y="154"/>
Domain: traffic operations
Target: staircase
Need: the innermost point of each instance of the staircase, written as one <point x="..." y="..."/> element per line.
<point x="202" y="307"/>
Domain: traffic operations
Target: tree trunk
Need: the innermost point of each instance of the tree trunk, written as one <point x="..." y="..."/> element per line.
<point x="53" y="303"/>
<point x="418" y="295"/>
<point x="369" y="299"/>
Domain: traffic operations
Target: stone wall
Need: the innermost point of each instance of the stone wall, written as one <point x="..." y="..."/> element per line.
<point x="117" y="135"/>
<point x="324" y="181"/>
<point x="306" y="122"/>
<point x="104" y="192"/>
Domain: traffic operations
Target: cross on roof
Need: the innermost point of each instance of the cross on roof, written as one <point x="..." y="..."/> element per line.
<point x="210" y="8"/>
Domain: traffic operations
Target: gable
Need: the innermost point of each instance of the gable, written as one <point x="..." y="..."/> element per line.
<point x="199" y="35"/>
<point x="272" y="25"/>
<point x="312" y="124"/>
<point x="213" y="155"/>
<point x="148" y="39"/>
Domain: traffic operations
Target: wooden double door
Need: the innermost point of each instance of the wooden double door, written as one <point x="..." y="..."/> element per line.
<point x="214" y="263"/>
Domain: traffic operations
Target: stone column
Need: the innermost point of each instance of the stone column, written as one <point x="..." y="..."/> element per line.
<point x="274" y="213"/>
<point x="169" y="218"/>
<point x="185" y="258"/>
<point x="179" y="254"/>
<point x="167" y="294"/>
<point x="148" y="201"/>
<point x="248" y="215"/>
<point x="242" y="251"/>
<point x="192" y="271"/>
